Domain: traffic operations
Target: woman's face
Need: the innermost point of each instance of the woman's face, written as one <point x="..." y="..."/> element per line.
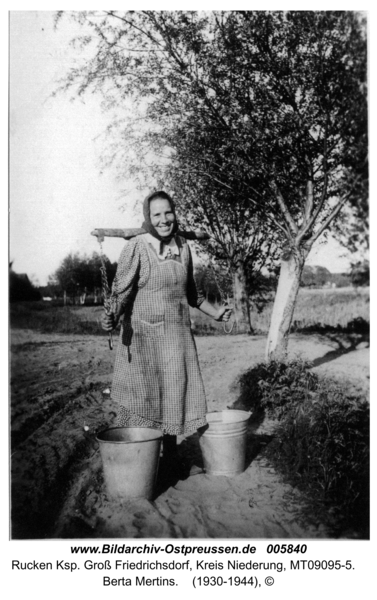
<point x="162" y="216"/>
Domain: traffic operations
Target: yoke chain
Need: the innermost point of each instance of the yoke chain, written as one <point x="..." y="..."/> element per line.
<point x="224" y="300"/>
<point x="105" y="289"/>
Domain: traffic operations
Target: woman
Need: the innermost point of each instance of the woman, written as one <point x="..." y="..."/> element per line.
<point x="157" y="379"/>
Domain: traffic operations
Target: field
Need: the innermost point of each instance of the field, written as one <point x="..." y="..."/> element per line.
<point x="343" y="308"/>
<point x="60" y="367"/>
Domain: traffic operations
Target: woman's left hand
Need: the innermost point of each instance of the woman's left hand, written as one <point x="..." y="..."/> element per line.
<point x="224" y="313"/>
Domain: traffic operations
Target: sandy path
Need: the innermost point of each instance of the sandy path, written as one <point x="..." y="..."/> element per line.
<point x="58" y="405"/>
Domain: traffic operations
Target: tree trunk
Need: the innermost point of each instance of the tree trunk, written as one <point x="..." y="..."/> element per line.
<point x="284" y="306"/>
<point x="241" y="300"/>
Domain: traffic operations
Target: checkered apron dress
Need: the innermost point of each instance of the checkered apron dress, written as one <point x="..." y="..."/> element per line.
<point x="157" y="380"/>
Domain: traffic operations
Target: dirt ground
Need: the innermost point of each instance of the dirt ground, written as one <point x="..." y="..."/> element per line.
<point x="58" y="406"/>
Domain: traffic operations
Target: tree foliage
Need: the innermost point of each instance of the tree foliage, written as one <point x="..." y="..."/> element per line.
<point x="274" y="101"/>
<point x="77" y="274"/>
<point x="360" y="273"/>
<point x="21" y="288"/>
<point x="256" y="120"/>
<point x="315" y="276"/>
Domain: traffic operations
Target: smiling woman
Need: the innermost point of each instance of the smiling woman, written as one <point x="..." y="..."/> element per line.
<point x="157" y="380"/>
<point x="159" y="216"/>
<point x="162" y="217"/>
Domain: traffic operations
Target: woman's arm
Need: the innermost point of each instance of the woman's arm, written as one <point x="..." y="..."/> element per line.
<point x="219" y="314"/>
<point x="110" y="321"/>
<point x="196" y="297"/>
<point x="132" y="270"/>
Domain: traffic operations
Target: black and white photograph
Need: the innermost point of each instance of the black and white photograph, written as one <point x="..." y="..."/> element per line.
<point x="189" y="275"/>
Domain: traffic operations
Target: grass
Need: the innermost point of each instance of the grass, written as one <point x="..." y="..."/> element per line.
<point x="327" y="308"/>
<point x="335" y="308"/>
<point x="321" y="440"/>
<point x="47" y="318"/>
<point x="339" y="308"/>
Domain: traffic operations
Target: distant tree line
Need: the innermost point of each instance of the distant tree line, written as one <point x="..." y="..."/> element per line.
<point x="21" y="288"/>
<point x="360" y="275"/>
<point x="78" y="280"/>
<point x="319" y="277"/>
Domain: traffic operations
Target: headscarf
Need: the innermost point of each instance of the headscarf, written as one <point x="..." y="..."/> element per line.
<point x="147" y="225"/>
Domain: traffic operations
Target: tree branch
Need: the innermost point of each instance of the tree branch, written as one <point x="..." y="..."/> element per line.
<point x="146" y="34"/>
<point x="292" y="227"/>
<point x="330" y="218"/>
<point x="312" y="218"/>
<point x="337" y="209"/>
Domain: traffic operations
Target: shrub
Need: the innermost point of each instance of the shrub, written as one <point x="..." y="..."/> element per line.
<point x="21" y="288"/>
<point x="360" y="273"/>
<point x="321" y="440"/>
<point x="275" y="386"/>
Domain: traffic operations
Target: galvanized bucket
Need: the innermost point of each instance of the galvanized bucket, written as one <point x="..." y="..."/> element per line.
<point x="130" y="457"/>
<point x="223" y="442"/>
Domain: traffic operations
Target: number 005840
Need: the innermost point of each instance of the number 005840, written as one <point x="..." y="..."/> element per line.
<point x="286" y="548"/>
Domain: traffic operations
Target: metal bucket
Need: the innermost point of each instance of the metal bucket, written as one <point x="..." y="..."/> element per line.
<point x="223" y="442"/>
<point x="130" y="457"/>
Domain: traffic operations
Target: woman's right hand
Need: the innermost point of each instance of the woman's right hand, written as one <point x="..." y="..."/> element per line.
<point x="109" y="322"/>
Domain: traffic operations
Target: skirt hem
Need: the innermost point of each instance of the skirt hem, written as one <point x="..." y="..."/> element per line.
<point x="130" y="419"/>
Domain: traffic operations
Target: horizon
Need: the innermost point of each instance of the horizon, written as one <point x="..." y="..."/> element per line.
<point x="39" y="285"/>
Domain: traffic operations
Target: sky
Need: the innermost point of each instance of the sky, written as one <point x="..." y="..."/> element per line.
<point x="57" y="192"/>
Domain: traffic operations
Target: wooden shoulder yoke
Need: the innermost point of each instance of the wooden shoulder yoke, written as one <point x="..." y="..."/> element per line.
<point x="128" y="234"/>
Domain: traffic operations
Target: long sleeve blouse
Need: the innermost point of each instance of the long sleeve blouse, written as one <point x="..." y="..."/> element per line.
<point x="133" y="273"/>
